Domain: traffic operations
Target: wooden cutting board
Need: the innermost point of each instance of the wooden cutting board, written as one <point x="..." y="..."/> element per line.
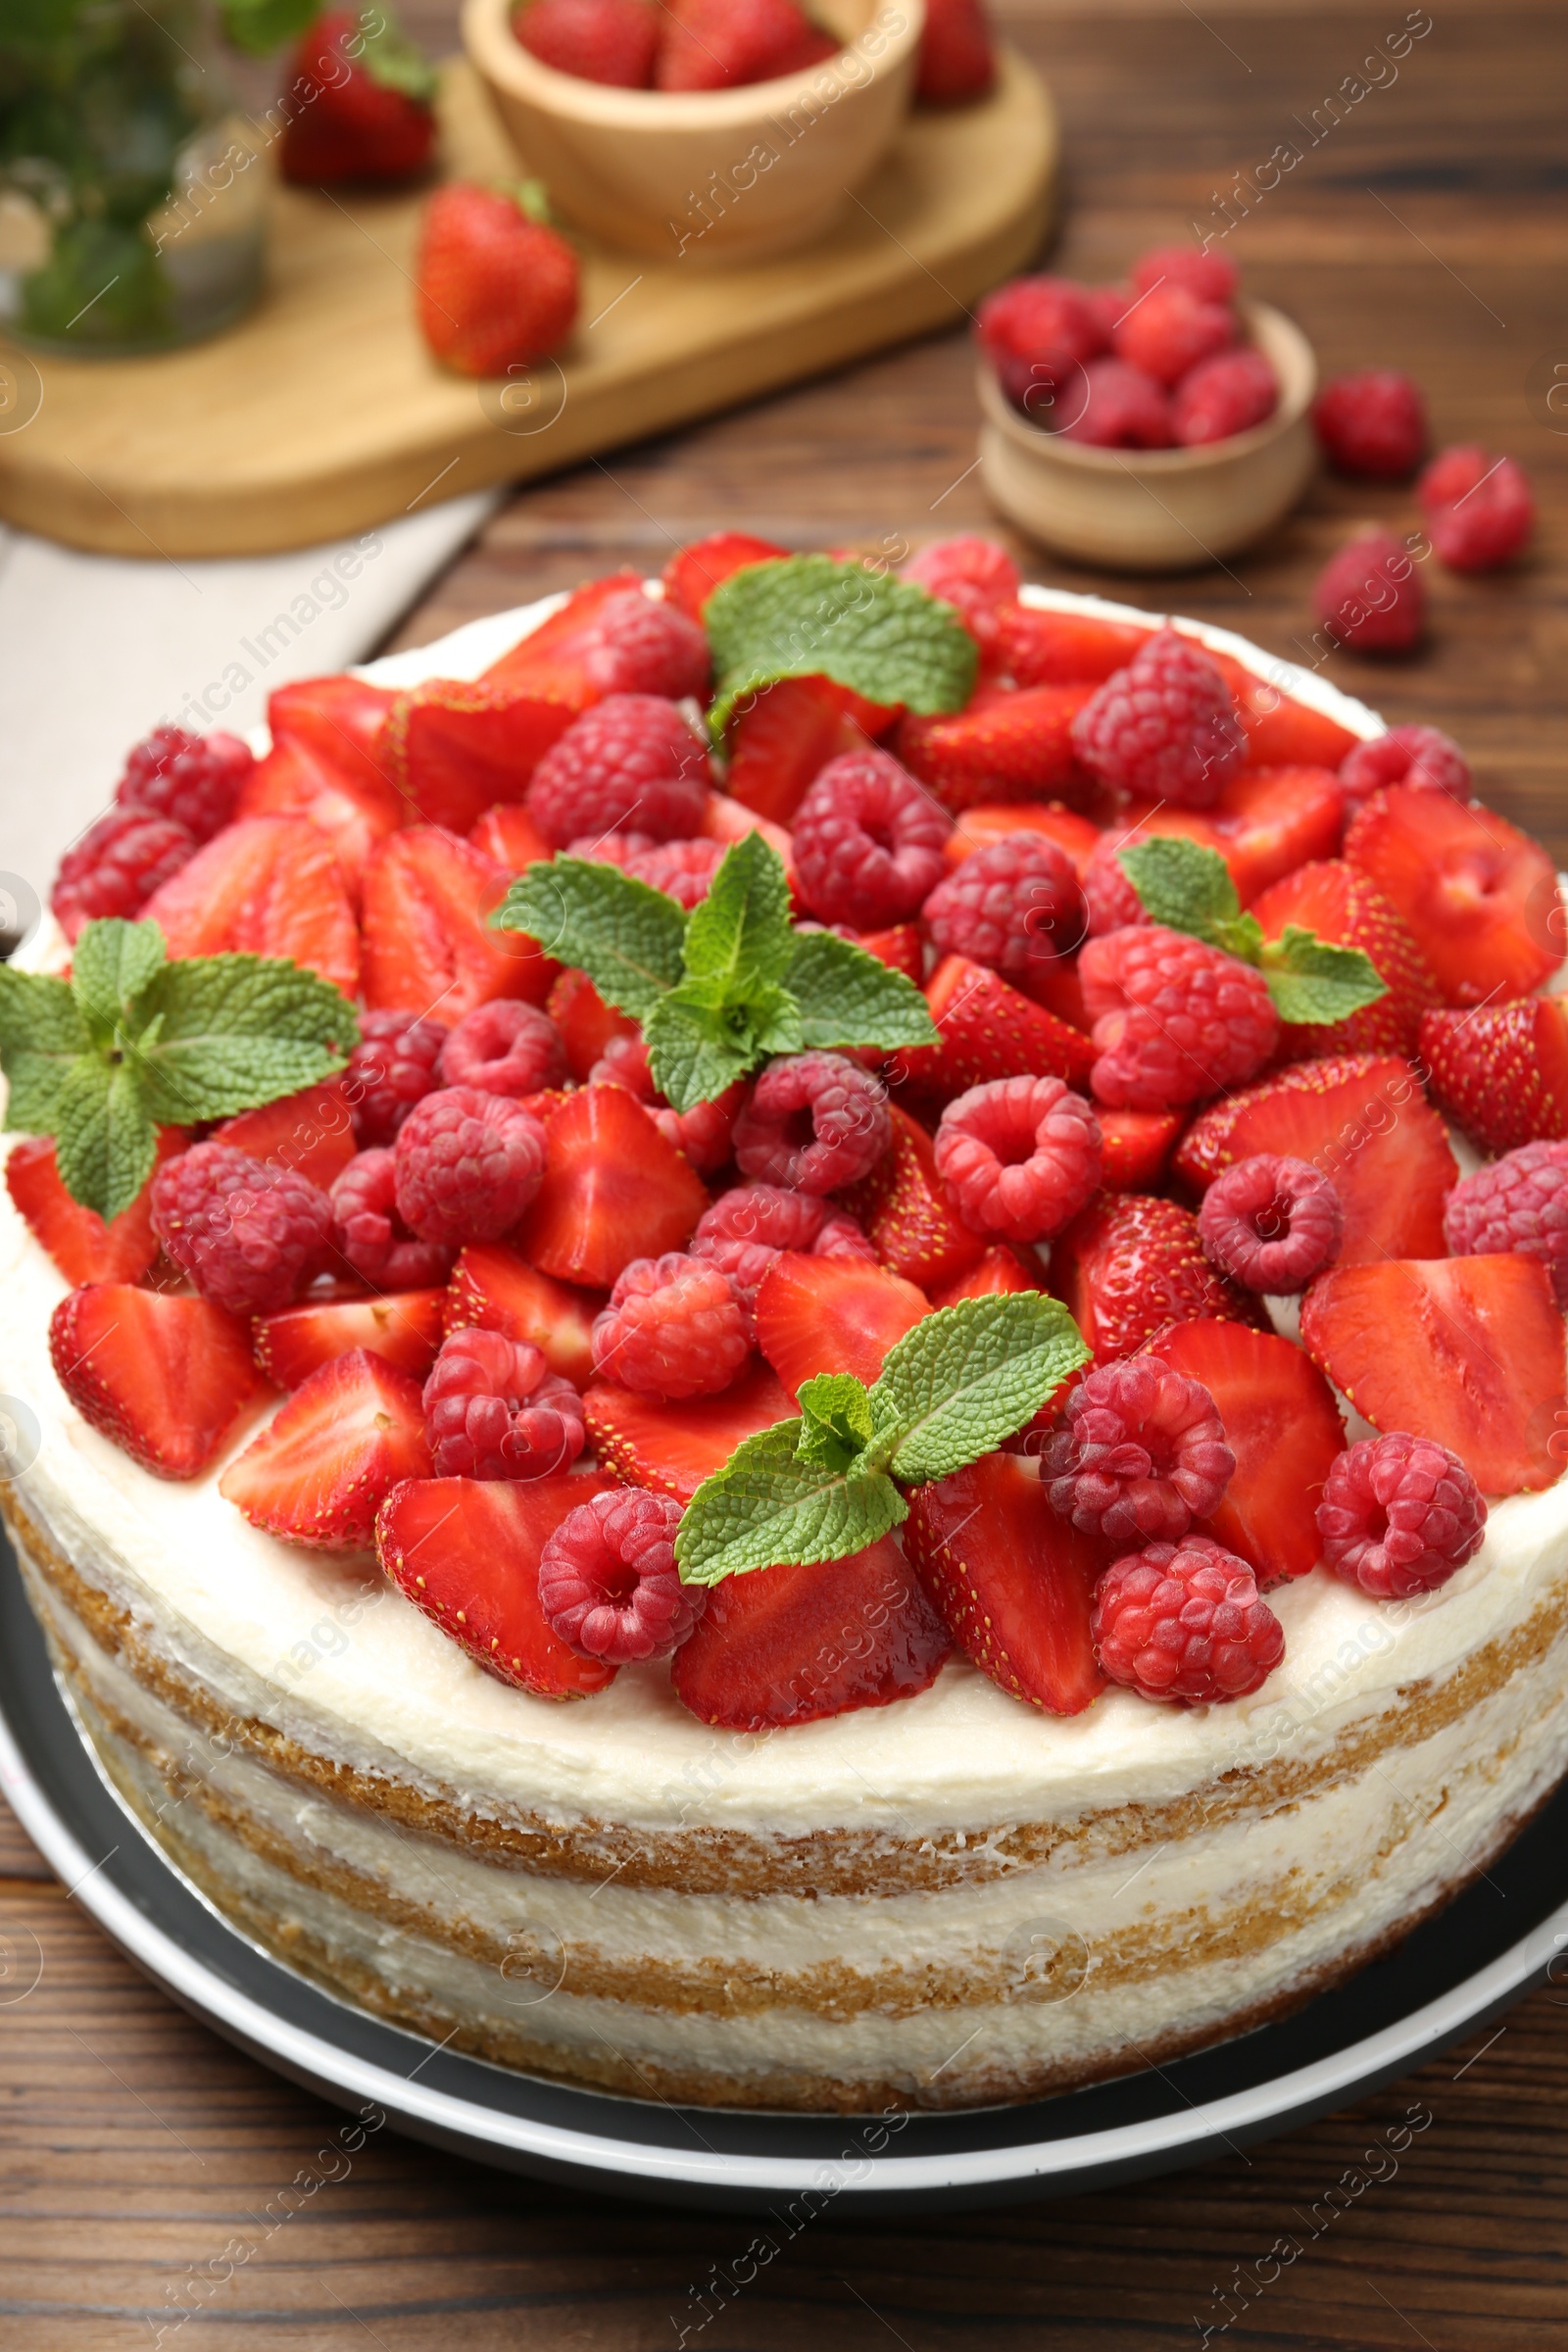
<point x="322" y="414"/>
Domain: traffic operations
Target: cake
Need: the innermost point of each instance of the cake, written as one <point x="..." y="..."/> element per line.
<point x="993" y="1834"/>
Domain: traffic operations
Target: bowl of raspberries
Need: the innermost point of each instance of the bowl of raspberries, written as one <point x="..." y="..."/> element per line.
<point x="1150" y="427"/>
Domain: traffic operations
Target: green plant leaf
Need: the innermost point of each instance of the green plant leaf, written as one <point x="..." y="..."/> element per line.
<point x="767" y="1506"/>
<point x="1181" y="884"/>
<point x="627" y="938"/>
<point x="1312" y="979"/>
<point x="105" y="1140"/>
<point x="691" y="1053"/>
<point x="812" y="615"/>
<point x="849" y="998"/>
<point x="224" y="1033"/>
<point x="111" y="963"/>
<point x="842" y="1424"/>
<point x="42" y="1034"/>
<point x="966" y="1378"/>
<point x="741" y="930"/>
<point x="260" y="25"/>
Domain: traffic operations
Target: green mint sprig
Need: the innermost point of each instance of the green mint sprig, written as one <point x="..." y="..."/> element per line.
<point x="719" y="991"/>
<point x="828" y="1483"/>
<point x="131" y="1043"/>
<point x="1188" y="887"/>
<point x="812" y="617"/>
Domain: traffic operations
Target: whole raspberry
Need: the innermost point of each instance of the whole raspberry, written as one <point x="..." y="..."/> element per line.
<point x="1169" y="329"/>
<point x="625" y="1062"/>
<point x="608" y="1580"/>
<point x="674" y="1328"/>
<point x="1519" y="1203"/>
<point x="1424" y="758"/>
<point x="637" y="645"/>
<point x="466" y="1165"/>
<point x="1018" y="1156"/>
<point x="370" y="1236"/>
<point x="629" y="761"/>
<point x="1183" y="1623"/>
<point x="1225" y="395"/>
<point x="868" y="842"/>
<point x="1480" y="511"/>
<point x="1370" y="596"/>
<point x="1110" y="901"/>
<point x="1107" y="305"/>
<point x="747" y="1226"/>
<point x="195" y="779"/>
<point x="1164" y="727"/>
<point x="1398" y="1515"/>
<point x="1209" y="276"/>
<point x="246" y="1232"/>
<point x="391" y="1068"/>
<point x="814" y="1122"/>
<point x="1111" y="405"/>
<point x="117" y="865"/>
<point x="706" y="1132"/>
<point x="1372" y="423"/>
<point x="976" y="576"/>
<point x="682" y="869"/>
<point x="614" y="42"/>
<point x="504" y="1047"/>
<point x="493" y="1408"/>
<point x="1174" y="1020"/>
<point x="1016" y="902"/>
<point x="1034" y="331"/>
<point x="1142" y="1454"/>
<point x="1271" y="1223"/>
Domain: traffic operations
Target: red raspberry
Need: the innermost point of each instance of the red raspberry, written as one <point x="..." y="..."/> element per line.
<point x="1019" y="1157"/>
<point x="1174" y="1020"/>
<point x="747" y="1226"/>
<point x="1142" y="1454"/>
<point x="815" y="1123"/>
<point x="607" y="1579"/>
<point x="625" y="1062"/>
<point x="681" y="870"/>
<point x="1398" y="1515"/>
<point x="1033" y="331"/>
<point x="1225" y="395"/>
<point x="1209" y="276"/>
<point x="637" y="645"/>
<point x="1183" y="1623"/>
<point x="1016" y="902"/>
<point x="117" y="865"/>
<point x="1168" y="331"/>
<point x="1107" y="305"/>
<point x="1519" y="1203"/>
<point x="1372" y="423"/>
<point x="1164" y="727"/>
<point x="629" y="760"/>
<point x="1370" y="597"/>
<point x="706" y="1132"/>
<point x="391" y="1068"/>
<point x="1480" y="511"/>
<point x="612" y="41"/>
<point x="1271" y="1223"/>
<point x="505" y="1048"/>
<point x="976" y="576"/>
<point x="371" y="1236"/>
<point x="1113" y="406"/>
<point x="245" y="1232"/>
<point x="674" y="1328"/>
<point x="611" y="849"/>
<point x="1109" y="900"/>
<point x="493" y="1408"/>
<point x="466" y="1165"/>
<point x="868" y="842"/>
<point x="194" y="779"/>
<point x="1424" y="758"/>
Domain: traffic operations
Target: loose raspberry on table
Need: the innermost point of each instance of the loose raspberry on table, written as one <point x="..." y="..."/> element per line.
<point x="637" y="644"/>
<point x="1169" y="331"/>
<point x="1142" y="1454"/>
<point x="815" y="1123"/>
<point x="466" y="1165"/>
<point x="1183" y="1623"/>
<point x="369" y="1234"/>
<point x="682" y="869"/>
<point x="1164" y="727"/>
<point x="392" y="1067"/>
<point x="194" y="779"/>
<point x="1480" y="510"/>
<point x="974" y="575"/>
<point x="1398" y="1515"/>
<point x="607" y="1579"/>
<point x="868" y="842"/>
<point x="1111" y="903"/>
<point x="1109" y="404"/>
<point x="245" y="1232"/>
<point x="505" y="1048"/>
<point x="117" y="865"/>
<point x="1018" y="1156"/>
<point x="1370" y="596"/>
<point x="1225" y="395"/>
<point x="674" y="1328"/>
<point x="747" y="1226"/>
<point x="1372" y="423"/>
<point x="493" y="1408"/>
<point x="1209" y="276"/>
<point x="1424" y="758"/>
<point x="1034" y="331"/>
<point x="1519" y="1203"/>
<point x="1174" y="1020"/>
<point x="1271" y="1223"/>
<point x="1014" y="903"/>
<point x="632" y="760"/>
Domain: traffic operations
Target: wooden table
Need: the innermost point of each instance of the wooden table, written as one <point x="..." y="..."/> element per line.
<point x="1424" y="228"/>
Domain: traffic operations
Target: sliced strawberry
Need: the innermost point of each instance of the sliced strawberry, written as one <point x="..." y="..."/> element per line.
<point x="726" y="819"/>
<point x="354" y="811"/>
<point x="331" y="1454"/>
<point x="1339" y="903"/>
<point x="168" y="1378"/>
<point x="1013" y="1582"/>
<point x="1063" y="649"/>
<point x="82" y="1245"/>
<point x="832" y="1314"/>
<point x="403" y="1329"/>
<point x="1500" y="1071"/>
<point x="1284" y="1428"/>
<point x="794" y="1645"/>
<point x="552" y="648"/>
<point x="339" y="719"/>
<point x="1131" y="1263"/>
<point x="1135" y="1145"/>
<point x="1052" y="982"/>
<point x="1282" y="732"/>
<point x="1467" y="1350"/>
<point x="311" y="1132"/>
<point x="1008" y="744"/>
<point x="466" y="1551"/>
<point x="265" y="886"/>
<point x="904" y="1208"/>
<point x="1362" y="1120"/>
<point x="694" y="572"/>
<point x="673" y="1448"/>
<point x="989" y="1030"/>
<point x="585" y="1022"/>
<point x="494" y="1288"/>
<point x="993" y="821"/>
<point x="900" y="948"/>
<point x="507" y="834"/>
<point x="999" y="1274"/>
<point x="1481" y="897"/>
<point x="783" y="739"/>
<point x="428" y="943"/>
<point x="1272" y="819"/>
<point x="612" y="1190"/>
<point x="454" y="747"/>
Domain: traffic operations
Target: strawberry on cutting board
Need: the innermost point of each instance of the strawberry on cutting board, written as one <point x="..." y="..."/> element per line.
<point x="82" y="1245"/>
<point x="1132" y="1263"/>
<point x="168" y="1378"/>
<point x="360" y="103"/>
<point x="330" y="1455"/>
<point x="429" y="947"/>
<point x="403" y="1329"/>
<point x="1481" y="897"/>
<point x="1500" y="1071"/>
<point x="1341" y="903"/>
<point x="614" y="1189"/>
<point x="495" y="1289"/>
<point x="265" y="886"/>
<point x="903" y="1207"/>
<point x="496" y="288"/>
<point x="673" y="1448"/>
<point x="832" y="1314"/>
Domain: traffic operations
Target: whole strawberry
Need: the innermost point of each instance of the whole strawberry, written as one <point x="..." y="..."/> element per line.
<point x="360" y="104"/>
<point x="497" y="288"/>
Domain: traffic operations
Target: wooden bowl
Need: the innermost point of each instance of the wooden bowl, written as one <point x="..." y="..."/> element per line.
<point x="1158" y="510"/>
<point x="708" y="175"/>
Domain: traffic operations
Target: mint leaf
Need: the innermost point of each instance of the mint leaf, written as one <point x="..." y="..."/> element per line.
<point x="626" y="936"/>
<point x="111" y="962"/>
<point x="767" y="1506"/>
<point x="1312" y="979"/>
<point x="849" y="998"/>
<point x="105" y="1141"/>
<point x="844" y="1426"/>
<point x="811" y="617"/>
<point x="741" y="930"/>
<point x="1181" y="884"/>
<point x="973" y="1374"/>
<point x="691" y="1053"/>
<point x="42" y="1034"/>
<point x="391" y="59"/>
<point x="222" y="1034"/>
